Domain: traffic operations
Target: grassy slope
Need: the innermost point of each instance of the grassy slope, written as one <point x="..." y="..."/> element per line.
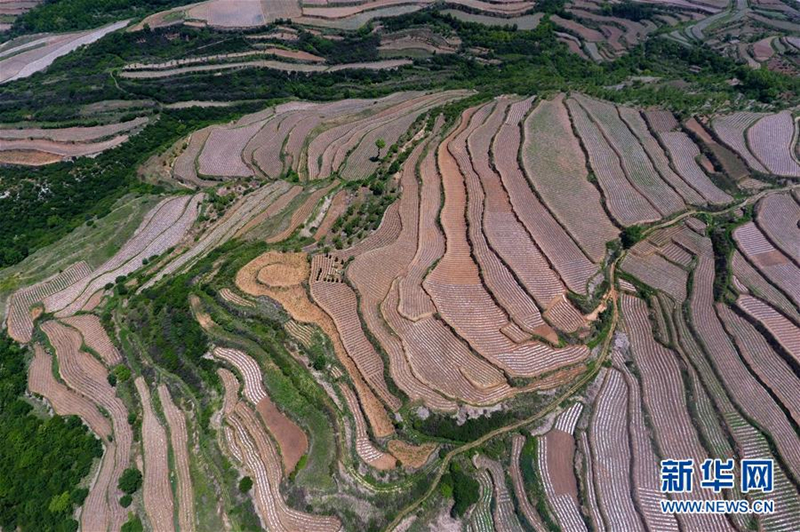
<point x="93" y="244"/>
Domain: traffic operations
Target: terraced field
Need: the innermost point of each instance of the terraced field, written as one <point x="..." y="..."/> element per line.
<point x="359" y="313"/>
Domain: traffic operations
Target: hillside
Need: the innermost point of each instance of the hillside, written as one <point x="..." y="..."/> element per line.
<point x="397" y="265"/>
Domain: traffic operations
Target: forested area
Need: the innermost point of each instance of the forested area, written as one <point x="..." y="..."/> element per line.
<point x="63" y="15"/>
<point x="42" y="459"/>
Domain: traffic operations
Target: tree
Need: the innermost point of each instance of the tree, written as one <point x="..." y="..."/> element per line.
<point x="380" y="144"/>
<point x="245" y="484"/>
<point x="130" y="481"/>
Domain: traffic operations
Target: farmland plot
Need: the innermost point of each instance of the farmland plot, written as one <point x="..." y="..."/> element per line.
<point x="95" y="337"/>
<point x="65" y="402"/>
<point x="567" y="258"/>
<point x="556" y="450"/>
<point x="743" y="389"/>
<point x="731" y="130"/>
<point x="507" y="237"/>
<point x="61" y="150"/>
<point x="261" y="459"/>
<point x="19" y="320"/>
<point x="527" y="509"/>
<point x="294" y="300"/>
<point x="772" y="140"/>
<point x="71" y="134"/>
<point x="290" y="438"/>
<point x="497" y="277"/>
<point x="785" y="332"/>
<point x="637" y="165"/>
<point x="300" y="215"/>
<point x="364" y="448"/>
<point x="373" y="271"/>
<point x="222" y="152"/>
<point x="612" y="457"/>
<point x="652" y="269"/>
<point x="176" y="422"/>
<point x="754" y="281"/>
<point x="778" y="216"/>
<point x="239" y="214"/>
<point x="164" y="227"/>
<point x="762" y="358"/>
<point x="458" y="292"/>
<point x="664" y="398"/>
<point x="644" y="463"/>
<point x="689" y="185"/>
<point x="684" y="154"/>
<point x="775" y="266"/>
<point x="556" y="166"/>
<point x="185" y="166"/>
<point x="503" y="514"/>
<point x="625" y="203"/>
<point x="156" y="487"/>
<point x="339" y="301"/>
<point x="87" y="376"/>
<point x="481" y="515"/>
<point x="35" y="58"/>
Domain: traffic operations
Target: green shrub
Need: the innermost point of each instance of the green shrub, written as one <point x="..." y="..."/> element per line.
<point x="130" y="481"/>
<point x="245" y="484"/>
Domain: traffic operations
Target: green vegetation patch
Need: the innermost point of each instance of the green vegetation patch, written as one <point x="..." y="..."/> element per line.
<point x="42" y="461"/>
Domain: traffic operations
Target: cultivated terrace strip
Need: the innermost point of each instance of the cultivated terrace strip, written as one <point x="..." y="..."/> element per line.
<point x="158" y="501"/>
<point x="179" y="440"/>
